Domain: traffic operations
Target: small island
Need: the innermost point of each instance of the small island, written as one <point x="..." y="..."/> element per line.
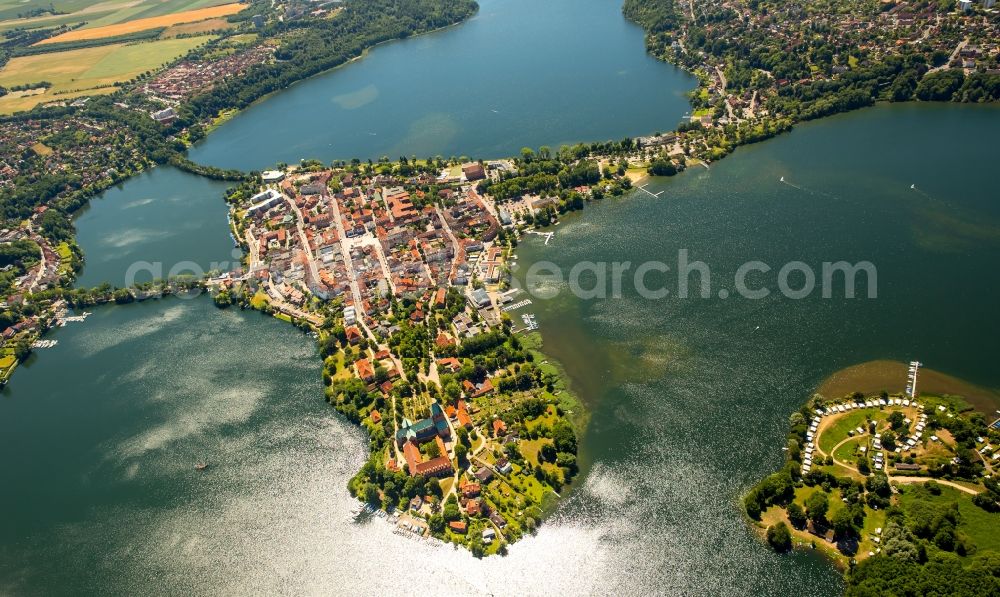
<point x="898" y="489"/>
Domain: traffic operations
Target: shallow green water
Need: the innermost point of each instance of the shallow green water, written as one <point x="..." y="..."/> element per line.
<point x="690" y="397"/>
<point x="519" y="73"/>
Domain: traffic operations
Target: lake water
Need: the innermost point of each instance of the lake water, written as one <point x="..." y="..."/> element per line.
<point x="520" y="73"/>
<point x="173" y="220"/>
<point x="689" y="397"/>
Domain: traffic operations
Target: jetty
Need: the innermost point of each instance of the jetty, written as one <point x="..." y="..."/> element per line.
<point x="44" y="343"/>
<point x="517" y="305"/>
<point x="548" y="235"/>
<point x="911" y="378"/>
<point x="530" y="323"/>
<point x="648" y="192"/>
<point x="62" y="321"/>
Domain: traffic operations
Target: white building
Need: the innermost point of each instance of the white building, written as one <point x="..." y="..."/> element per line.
<point x="264" y="201"/>
<point x="272" y="176"/>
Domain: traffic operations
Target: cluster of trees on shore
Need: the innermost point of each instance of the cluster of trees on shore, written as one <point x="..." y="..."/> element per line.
<point x="544" y="173"/>
<point x="15" y="259"/>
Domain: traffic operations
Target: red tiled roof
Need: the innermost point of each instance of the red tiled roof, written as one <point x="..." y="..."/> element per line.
<point x="463" y="415"/>
<point x="470" y="489"/>
<point x="365" y="371"/>
<point x="450" y="363"/>
<point x="484" y="389"/>
<point x="499" y="426"/>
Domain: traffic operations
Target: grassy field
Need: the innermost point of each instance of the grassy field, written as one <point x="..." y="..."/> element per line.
<point x="530" y="449"/>
<point x="982" y="527"/>
<point x="88" y="71"/>
<point x="41" y="149"/>
<point x="133" y="26"/>
<point x="848" y="451"/>
<point x="837" y="431"/>
<point x="259" y="300"/>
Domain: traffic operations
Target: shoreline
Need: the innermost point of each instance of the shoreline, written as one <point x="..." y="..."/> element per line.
<point x="232" y="113"/>
<point x="529" y="397"/>
<point x="878" y="403"/>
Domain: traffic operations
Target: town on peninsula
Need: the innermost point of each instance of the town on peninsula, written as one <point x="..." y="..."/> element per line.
<point x="401" y="268"/>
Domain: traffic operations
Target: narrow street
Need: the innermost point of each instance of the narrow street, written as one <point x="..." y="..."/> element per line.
<point x="451" y="236"/>
<point x="953" y="56"/>
<point x="310" y="258"/>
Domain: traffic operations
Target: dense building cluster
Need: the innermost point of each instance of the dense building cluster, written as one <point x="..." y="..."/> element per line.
<point x="765" y="65"/>
<point x="86" y="148"/>
<point x="188" y="77"/>
<point x="402" y="272"/>
<point x="334" y="234"/>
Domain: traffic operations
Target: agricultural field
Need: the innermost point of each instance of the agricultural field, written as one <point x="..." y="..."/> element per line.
<point x="12" y="9"/>
<point x="87" y="71"/>
<point x="197" y="27"/>
<point x="94" y="14"/>
<point x="136" y="25"/>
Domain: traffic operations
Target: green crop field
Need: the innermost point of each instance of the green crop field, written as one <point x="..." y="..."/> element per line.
<point x="87" y="71"/>
<point x="92" y="14"/>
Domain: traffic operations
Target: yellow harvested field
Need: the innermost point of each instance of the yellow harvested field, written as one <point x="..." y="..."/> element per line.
<point x="41" y="149"/>
<point x="10" y="105"/>
<point x="188" y="16"/>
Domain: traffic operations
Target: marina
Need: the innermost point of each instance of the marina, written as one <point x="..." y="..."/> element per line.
<point x="63" y="320"/>
<point x="517" y="305"/>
